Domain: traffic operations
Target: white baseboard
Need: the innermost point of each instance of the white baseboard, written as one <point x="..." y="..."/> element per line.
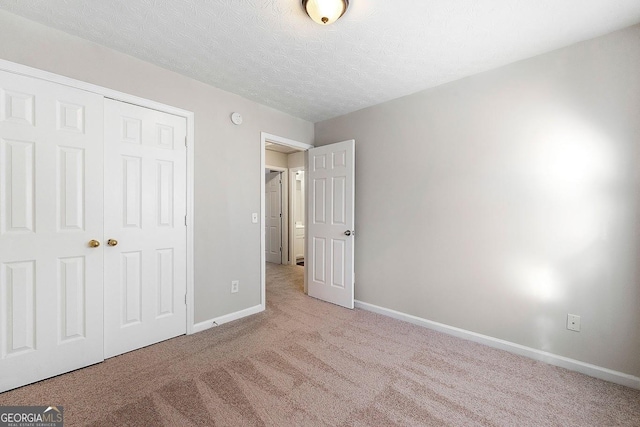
<point x="543" y="356"/>
<point x="202" y="326"/>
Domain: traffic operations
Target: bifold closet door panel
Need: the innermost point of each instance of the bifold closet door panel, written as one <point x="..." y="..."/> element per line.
<point x="51" y="208"/>
<point x="145" y="232"/>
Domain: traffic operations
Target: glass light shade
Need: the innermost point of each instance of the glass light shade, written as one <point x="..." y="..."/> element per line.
<point x="325" y="12"/>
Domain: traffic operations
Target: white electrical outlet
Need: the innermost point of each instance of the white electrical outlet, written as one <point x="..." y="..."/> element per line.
<point x="235" y="286"/>
<point x="573" y="322"/>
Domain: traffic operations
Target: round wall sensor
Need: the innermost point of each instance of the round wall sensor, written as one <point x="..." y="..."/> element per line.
<point x="236" y="118"/>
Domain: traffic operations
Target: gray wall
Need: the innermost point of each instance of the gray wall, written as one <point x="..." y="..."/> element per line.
<point x="274" y="158"/>
<point x="296" y="160"/>
<point x="227" y="157"/>
<point x="501" y="202"/>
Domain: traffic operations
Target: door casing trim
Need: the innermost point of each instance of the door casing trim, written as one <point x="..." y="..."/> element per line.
<point x="264" y="138"/>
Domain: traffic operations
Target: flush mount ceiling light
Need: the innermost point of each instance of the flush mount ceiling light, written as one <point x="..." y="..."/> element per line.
<point x="325" y="12"/>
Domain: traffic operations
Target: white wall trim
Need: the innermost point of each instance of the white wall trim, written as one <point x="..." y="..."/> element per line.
<point x="284" y="141"/>
<point x="24" y="70"/>
<point x="217" y="321"/>
<point x="264" y="138"/>
<point x="543" y="356"/>
<point x="190" y="224"/>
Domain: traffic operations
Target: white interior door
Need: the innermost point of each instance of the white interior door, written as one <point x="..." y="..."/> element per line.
<point x="145" y="208"/>
<point x="330" y="231"/>
<point x="273" y="220"/>
<point x="51" y="206"/>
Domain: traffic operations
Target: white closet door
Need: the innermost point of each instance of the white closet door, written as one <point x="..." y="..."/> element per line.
<point x="51" y="206"/>
<point x="145" y="208"/>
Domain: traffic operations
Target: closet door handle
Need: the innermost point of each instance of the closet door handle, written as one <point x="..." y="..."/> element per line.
<point x="112" y="242"/>
<point x="94" y="243"/>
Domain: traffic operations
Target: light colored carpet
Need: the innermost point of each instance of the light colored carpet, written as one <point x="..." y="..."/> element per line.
<point x="308" y="363"/>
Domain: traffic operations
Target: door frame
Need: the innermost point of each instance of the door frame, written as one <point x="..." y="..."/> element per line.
<point x="284" y="197"/>
<point x="264" y="138"/>
<point x="24" y="70"/>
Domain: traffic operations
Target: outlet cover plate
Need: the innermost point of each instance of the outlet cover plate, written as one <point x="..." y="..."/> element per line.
<point x="573" y="322"/>
<point x="235" y="286"/>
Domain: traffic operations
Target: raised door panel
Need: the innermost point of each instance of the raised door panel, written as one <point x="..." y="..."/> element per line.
<point x="17" y="185"/>
<point x="72" y="289"/>
<point x="70" y="189"/>
<point x="17" y="107"/>
<point x="274" y="247"/>
<point x="166" y="282"/>
<point x="131" y="304"/>
<point x="319" y="197"/>
<point x="337" y="263"/>
<point x="339" y="202"/>
<point x="70" y="117"/>
<point x="17" y="287"/>
<point x="319" y="259"/>
<point x="132" y="192"/>
<point x="165" y="205"/>
<point x="319" y="162"/>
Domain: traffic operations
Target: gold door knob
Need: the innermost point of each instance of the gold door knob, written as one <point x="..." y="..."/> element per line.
<point x="94" y="243"/>
<point x="112" y="242"/>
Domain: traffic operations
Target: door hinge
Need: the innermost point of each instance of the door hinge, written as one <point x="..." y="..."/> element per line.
<point x="280" y="214"/>
<point x="185" y="141"/>
<point x="185" y="298"/>
<point x="185" y="220"/>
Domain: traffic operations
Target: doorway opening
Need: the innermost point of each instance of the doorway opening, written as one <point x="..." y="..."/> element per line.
<point x="283" y="216"/>
<point x="297" y="210"/>
<point x="284" y="204"/>
<point x="285" y="208"/>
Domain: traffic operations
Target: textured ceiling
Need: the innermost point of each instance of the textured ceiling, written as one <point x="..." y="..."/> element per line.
<point x="269" y="51"/>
